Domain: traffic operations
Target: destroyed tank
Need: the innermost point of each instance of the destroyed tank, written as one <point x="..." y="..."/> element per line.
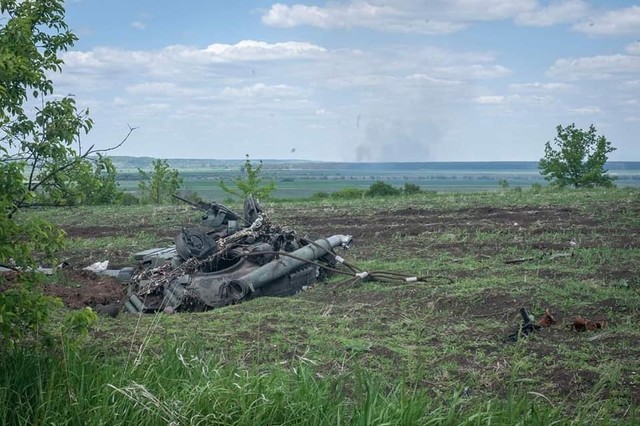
<point x="228" y="259"/>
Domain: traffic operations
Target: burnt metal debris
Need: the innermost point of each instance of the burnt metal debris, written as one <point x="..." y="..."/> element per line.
<point x="228" y="259"/>
<point x="529" y="324"/>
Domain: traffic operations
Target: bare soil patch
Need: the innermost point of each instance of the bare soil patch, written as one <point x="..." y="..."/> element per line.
<point x="83" y="288"/>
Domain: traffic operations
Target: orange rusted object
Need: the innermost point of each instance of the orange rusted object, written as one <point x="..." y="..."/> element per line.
<point x="547" y="320"/>
<point x="583" y="324"/>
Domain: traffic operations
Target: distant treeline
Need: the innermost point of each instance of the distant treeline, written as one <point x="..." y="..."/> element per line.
<point x="128" y="163"/>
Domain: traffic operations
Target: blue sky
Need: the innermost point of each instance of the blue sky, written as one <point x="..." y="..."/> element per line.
<point x="354" y="80"/>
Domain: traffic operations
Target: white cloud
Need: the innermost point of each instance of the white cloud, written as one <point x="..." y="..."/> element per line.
<point x="158" y="106"/>
<point x="355" y="14"/>
<point x="361" y="80"/>
<point x="596" y="67"/>
<point x="251" y="50"/>
<point x="160" y="89"/>
<point x="138" y="25"/>
<point x="515" y="99"/>
<point x="411" y="16"/>
<point x="166" y="58"/>
<point x="587" y="110"/>
<point x="540" y="87"/>
<point x="490" y="100"/>
<point x="472" y="72"/>
<point x="263" y="90"/>
<point x="426" y="17"/>
<point x="556" y="12"/>
<point x="483" y="10"/>
<point x="612" y="23"/>
<point x="419" y="77"/>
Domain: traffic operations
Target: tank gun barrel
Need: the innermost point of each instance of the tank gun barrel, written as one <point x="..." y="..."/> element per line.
<point x="241" y="287"/>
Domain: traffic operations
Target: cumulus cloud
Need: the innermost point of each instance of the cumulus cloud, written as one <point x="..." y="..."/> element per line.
<point x="246" y="50"/>
<point x="556" y="12"/>
<point x="251" y="50"/>
<point x="354" y="14"/>
<point x="612" y="23"/>
<point x="419" y="16"/>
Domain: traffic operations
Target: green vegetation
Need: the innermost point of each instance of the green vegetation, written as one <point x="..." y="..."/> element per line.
<point x="434" y="353"/>
<point x="189" y="386"/>
<point x="97" y="182"/>
<point x="377" y="189"/>
<point x="299" y="180"/>
<point x="411" y="189"/>
<point x="381" y="189"/>
<point x="158" y="186"/>
<point x="250" y="182"/>
<point x="578" y="159"/>
<point x="348" y="194"/>
<point x="41" y="161"/>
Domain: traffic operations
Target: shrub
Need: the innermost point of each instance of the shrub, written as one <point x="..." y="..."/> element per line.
<point x="348" y="194"/>
<point x="411" y="189"/>
<point x="381" y="189"/>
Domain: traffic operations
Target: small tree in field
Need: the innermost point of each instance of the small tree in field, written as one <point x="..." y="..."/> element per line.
<point x="578" y="160"/>
<point x="250" y="183"/>
<point x="158" y="186"/>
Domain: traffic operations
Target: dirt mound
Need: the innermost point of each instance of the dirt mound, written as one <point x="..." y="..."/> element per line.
<point x="79" y="288"/>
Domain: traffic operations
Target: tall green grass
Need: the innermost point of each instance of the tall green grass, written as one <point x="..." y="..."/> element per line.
<point x="185" y="385"/>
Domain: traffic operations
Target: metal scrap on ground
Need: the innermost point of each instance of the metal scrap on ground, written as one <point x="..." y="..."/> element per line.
<point x="228" y="259"/>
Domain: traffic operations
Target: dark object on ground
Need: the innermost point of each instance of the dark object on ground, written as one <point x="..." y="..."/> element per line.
<point x="230" y="258"/>
<point x="529" y="323"/>
<point x="111" y="310"/>
<point x="527" y="326"/>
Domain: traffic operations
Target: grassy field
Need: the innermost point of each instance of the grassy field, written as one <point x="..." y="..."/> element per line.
<point x="371" y="353"/>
